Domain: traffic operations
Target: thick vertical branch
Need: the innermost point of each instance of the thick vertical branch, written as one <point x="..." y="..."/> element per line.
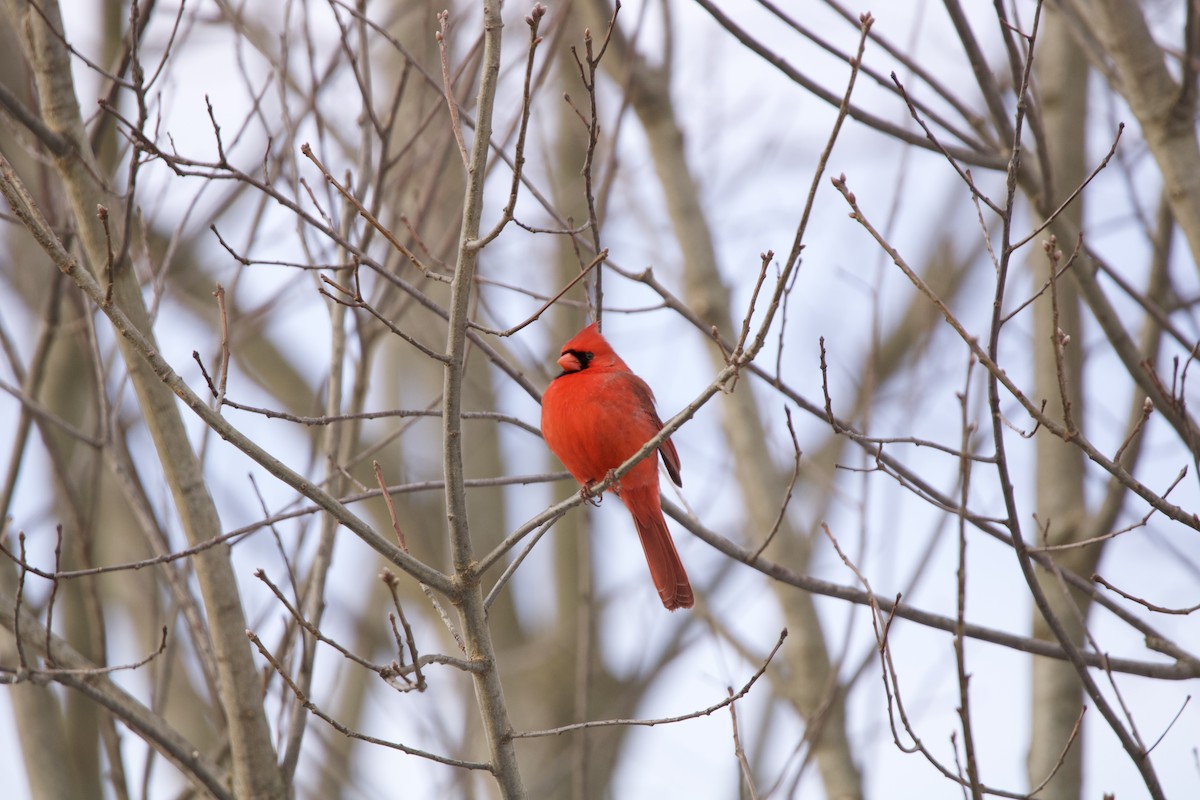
<point x="252" y="754"/>
<point x="489" y="692"/>
<point x="36" y="709"/>
<point x="1058" y="360"/>
<point x="314" y="587"/>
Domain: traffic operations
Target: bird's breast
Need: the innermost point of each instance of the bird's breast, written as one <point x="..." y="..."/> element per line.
<point x="594" y="421"/>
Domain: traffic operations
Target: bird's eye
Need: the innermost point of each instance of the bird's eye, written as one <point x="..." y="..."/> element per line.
<point x="589" y="356"/>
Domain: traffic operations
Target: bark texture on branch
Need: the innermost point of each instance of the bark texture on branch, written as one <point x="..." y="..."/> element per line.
<point x="251" y="750"/>
<point x="1159" y="103"/>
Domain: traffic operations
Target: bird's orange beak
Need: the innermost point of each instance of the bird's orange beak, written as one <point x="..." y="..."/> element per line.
<point x="569" y="362"/>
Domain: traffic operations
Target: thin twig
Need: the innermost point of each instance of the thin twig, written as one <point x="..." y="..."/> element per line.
<point x="738" y="751"/>
<point x="400" y="540"/>
<point x="448" y="87"/>
<point x="369" y="217"/>
<point x="533" y="19"/>
<point x="600" y="258"/>
<point x="314" y="709"/>
<point x="704" y="712"/>
<point x="1071" y="197"/>
<point x="787" y="498"/>
<point x="1155" y="608"/>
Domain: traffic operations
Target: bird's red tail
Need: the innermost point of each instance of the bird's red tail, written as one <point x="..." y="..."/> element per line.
<point x="663" y="559"/>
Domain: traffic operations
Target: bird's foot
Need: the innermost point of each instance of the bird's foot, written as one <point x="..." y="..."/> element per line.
<point x="588" y="498"/>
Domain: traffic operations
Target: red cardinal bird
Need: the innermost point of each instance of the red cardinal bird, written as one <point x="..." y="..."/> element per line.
<point x="597" y="414"/>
